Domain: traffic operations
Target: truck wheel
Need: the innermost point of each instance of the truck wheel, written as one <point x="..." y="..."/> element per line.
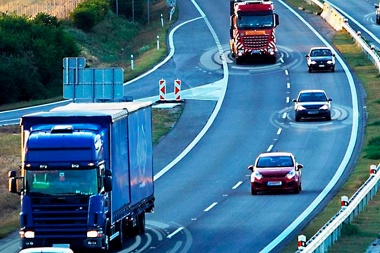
<point x="106" y="243"/>
<point x="141" y="223"/>
<point x="119" y="241"/>
<point x="238" y="60"/>
<point x="273" y="59"/>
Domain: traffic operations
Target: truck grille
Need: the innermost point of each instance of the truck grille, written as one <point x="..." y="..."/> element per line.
<point x="60" y="217"/>
<point x="255" y="42"/>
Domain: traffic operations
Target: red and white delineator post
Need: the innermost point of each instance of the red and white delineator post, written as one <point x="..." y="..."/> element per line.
<point x="177" y="89"/>
<point x="301" y="241"/>
<point x="162" y="90"/>
<point x="344" y="202"/>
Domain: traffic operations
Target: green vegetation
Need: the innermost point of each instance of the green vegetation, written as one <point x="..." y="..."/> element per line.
<point x="89" y="13"/>
<point x="31" y="57"/>
<point x="358" y="235"/>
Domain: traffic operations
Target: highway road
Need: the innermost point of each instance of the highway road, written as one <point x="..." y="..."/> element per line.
<point x="232" y="113"/>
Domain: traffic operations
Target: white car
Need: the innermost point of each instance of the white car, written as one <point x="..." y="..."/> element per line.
<point x="47" y="250"/>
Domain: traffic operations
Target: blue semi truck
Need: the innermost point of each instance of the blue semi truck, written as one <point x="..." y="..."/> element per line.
<point x="86" y="177"/>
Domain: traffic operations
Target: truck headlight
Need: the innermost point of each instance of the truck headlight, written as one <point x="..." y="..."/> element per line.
<point x="93" y="234"/>
<point x="27" y="234"/>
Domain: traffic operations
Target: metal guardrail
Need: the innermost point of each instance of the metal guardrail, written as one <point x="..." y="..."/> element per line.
<point x="330" y="232"/>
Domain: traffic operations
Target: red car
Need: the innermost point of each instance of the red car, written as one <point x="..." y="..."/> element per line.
<point x="274" y="171"/>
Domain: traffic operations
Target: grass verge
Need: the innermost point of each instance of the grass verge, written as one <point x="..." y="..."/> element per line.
<point x="357" y="236"/>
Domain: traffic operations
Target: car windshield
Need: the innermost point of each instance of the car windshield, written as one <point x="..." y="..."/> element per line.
<point x="275" y="161"/>
<point x="320" y="52"/>
<point x="312" y="97"/>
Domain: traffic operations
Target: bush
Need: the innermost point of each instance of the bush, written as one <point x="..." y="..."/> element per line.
<point x="87" y="14"/>
<point x="31" y="53"/>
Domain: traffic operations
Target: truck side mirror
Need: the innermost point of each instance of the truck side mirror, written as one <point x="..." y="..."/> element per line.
<point x="107" y="173"/>
<point x="276" y="20"/>
<point x="11" y="173"/>
<point x="13" y="182"/>
<point x="12" y="185"/>
<point x="108" y="184"/>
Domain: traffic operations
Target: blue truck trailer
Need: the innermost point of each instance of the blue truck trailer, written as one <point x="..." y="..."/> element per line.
<point x="86" y="175"/>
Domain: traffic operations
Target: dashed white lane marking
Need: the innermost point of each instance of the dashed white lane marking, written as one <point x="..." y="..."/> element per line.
<point x="237" y="185"/>
<point x="210" y="207"/>
<point x="175" y="232"/>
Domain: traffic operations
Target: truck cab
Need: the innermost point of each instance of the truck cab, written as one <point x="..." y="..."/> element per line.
<point x="252" y="30"/>
<point x="377" y="6"/>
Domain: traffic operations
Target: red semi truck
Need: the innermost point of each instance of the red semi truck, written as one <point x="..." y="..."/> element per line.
<point x="252" y="30"/>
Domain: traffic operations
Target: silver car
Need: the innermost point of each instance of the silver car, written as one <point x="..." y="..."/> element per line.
<point x="312" y="104"/>
<point x="320" y="58"/>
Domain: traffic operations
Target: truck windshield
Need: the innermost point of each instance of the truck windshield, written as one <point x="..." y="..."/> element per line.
<point x="61" y="182"/>
<point x="255" y="21"/>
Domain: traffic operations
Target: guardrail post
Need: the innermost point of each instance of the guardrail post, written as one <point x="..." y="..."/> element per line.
<point x="301" y="242"/>
<point x="344" y="202"/>
<point x="372" y="170"/>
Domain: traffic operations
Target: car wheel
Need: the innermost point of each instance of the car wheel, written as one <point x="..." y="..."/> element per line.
<point x="333" y="69"/>
<point x="253" y="191"/>
<point x="328" y="118"/>
<point x="297" y="118"/>
<point x="297" y="189"/>
<point x="310" y="70"/>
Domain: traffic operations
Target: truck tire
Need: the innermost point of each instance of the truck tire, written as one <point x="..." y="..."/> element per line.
<point x="141" y="223"/>
<point x="272" y="59"/>
<point x="119" y="241"/>
<point x="106" y="243"/>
